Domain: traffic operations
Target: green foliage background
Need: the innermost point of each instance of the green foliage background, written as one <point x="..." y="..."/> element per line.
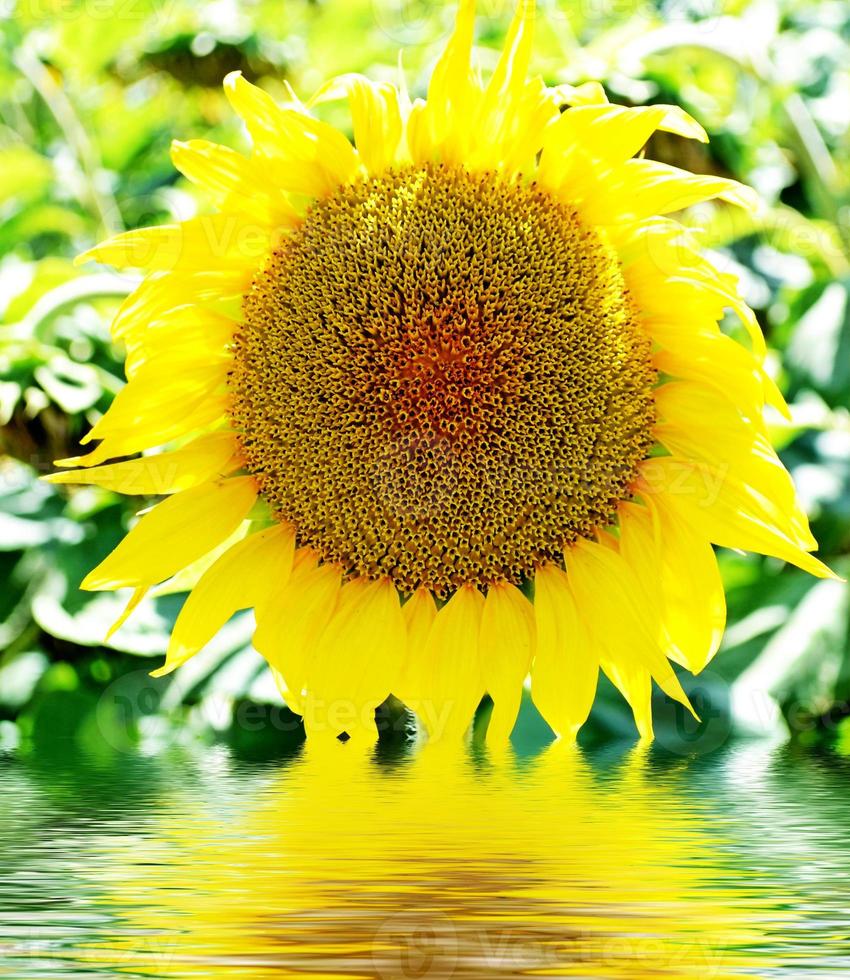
<point x="91" y="94"/>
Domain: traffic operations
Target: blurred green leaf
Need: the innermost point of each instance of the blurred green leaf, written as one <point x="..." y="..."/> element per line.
<point x="819" y="350"/>
<point x="25" y="176"/>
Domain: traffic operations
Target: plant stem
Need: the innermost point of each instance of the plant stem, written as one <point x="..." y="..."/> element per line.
<point x="102" y="203"/>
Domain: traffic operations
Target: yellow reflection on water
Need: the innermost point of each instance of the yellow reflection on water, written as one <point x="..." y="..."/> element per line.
<point x="440" y="866"/>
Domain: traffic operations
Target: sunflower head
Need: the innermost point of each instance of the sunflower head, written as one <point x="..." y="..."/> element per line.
<point x="425" y="406"/>
<point x="446" y="405"/>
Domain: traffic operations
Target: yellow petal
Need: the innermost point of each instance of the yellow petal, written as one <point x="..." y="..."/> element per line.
<point x="291" y="618"/>
<point x="640" y="188"/>
<point x="219" y="170"/>
<point x="377" y="125"/>
<point x="258" y="110"/>
<point x="452" y="93"/>
<point x="566" y="664"/>
<point x="634" y="682"/>
<point x="166" y="294"/>
<point x="357" y="661"/>
<point x="677" y="567"/>
<point x="708" y="293"/>
<point x="420" y="147"/>
<point x="154" y="393"/>
<point x="419" y="613"/>
<point x="692" y="590"/>
<point x="588" y="93"/>
<point x="608" y="135"/>
<point x="239" y="579"/>
<point x="207" y="458"/>
<point x="713" y="359"/>
<point x="291" y="133"/>
<point x="232" y="241"/>
<point x="129" y="609"/>
<point x="725" y="510"/>
<point x="188" y="577"/>
<point x="507" y="645"/>
<point x="660" y="257"/>
<point x="375" y="117"/>
<point x="630" y="664"/>
<point x="660" y="244"/>
<point x="627" y="629"/>
<point x="153" y="410"/>
<point x="297" y="177"/>
<point x="502" y="110"/>
<point x="699" y="423"/>
<point x="509" y="76"/>
<point x="674" y="301"/>
<point x="202" y="412"/>
<point x="533" y="114"/>
<point x="453" y="686"/>
<point x="677" y="121"/>
<point x="150" y="300"/>
<point x="180" y="360"/>
<point x="174" y="533"/>
<point x="179" y="338"/>
<point x="233" y="182"/>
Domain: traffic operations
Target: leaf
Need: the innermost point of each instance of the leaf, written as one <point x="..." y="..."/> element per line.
<point x="73" y="386"/>
<point x="819" y="351"/>
<point x="24" y="175"/>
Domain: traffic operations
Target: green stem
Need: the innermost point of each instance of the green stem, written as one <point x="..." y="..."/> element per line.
<point x="816" y="163"/>
<point x="102" y="203"/>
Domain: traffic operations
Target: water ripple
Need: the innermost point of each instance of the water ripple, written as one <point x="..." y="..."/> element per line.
<point x="621" y="864"/>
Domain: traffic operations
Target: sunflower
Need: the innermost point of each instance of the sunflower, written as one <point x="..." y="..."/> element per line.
<point x="447" y="406"/>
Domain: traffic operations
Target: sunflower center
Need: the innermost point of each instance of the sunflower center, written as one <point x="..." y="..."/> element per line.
<point x="439" y="379"/>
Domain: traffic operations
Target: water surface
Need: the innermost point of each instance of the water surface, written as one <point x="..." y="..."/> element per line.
<point x="340" y="863"/>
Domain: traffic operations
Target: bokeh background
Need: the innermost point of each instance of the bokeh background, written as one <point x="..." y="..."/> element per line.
<point x="91" y="94"/>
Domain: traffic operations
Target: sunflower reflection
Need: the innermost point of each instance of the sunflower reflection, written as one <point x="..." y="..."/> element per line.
<point x="443" y="866"/>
